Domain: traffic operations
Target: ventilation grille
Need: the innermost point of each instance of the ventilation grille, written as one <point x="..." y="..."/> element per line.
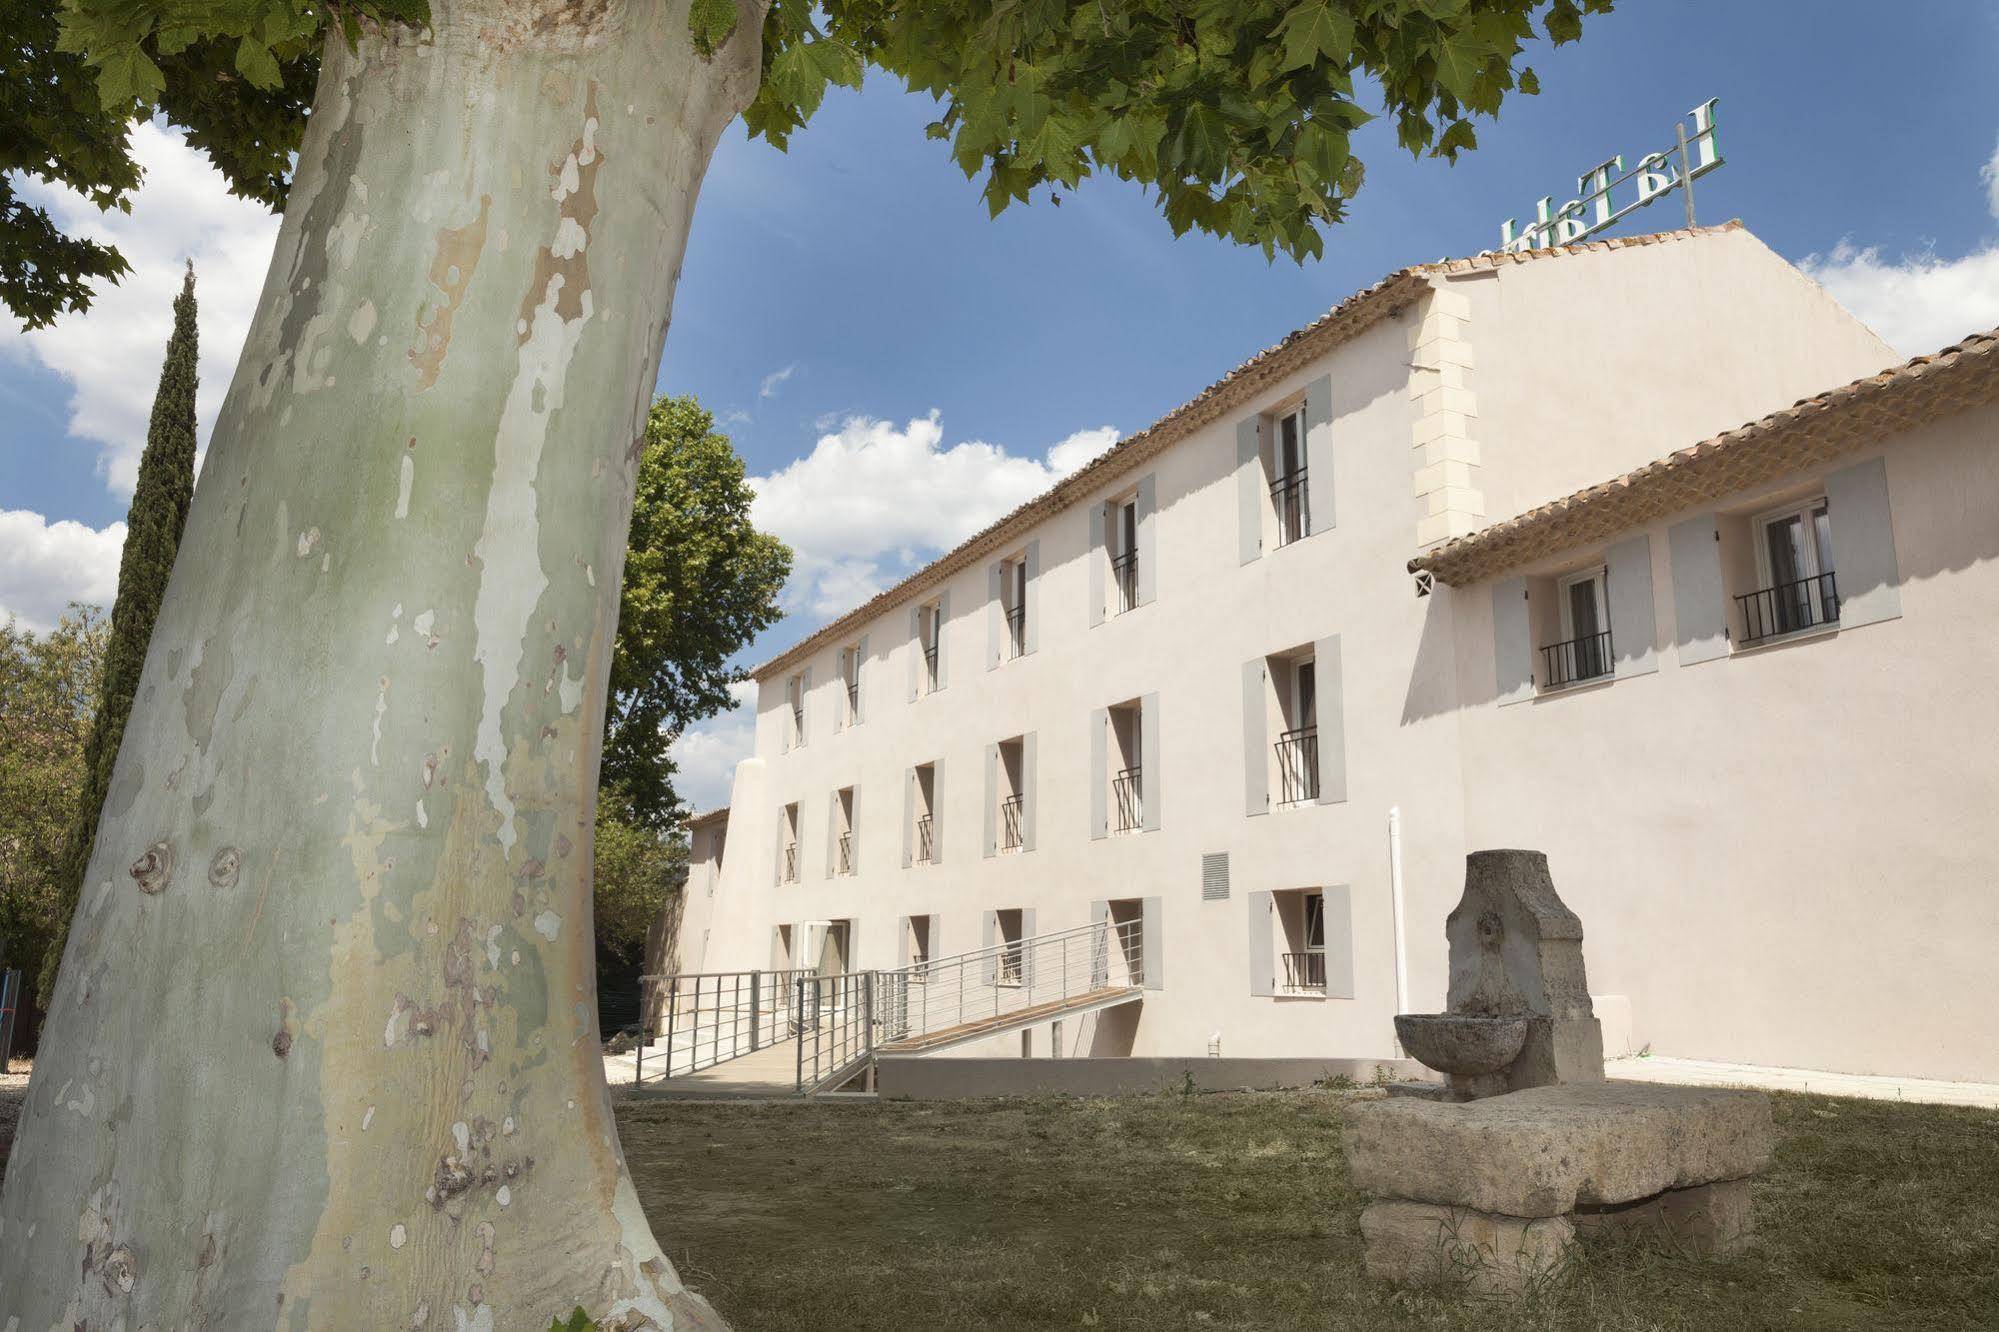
<point x="1215" y="877"/>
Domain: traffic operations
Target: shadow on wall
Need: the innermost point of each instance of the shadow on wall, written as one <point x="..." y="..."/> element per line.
<point x="1433" y="676"/>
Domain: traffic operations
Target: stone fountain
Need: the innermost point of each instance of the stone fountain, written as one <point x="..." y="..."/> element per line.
<point x="1487" y="1183"/>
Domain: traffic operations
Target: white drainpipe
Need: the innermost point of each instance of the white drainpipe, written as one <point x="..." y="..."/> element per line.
<point x="1401" y="934"/>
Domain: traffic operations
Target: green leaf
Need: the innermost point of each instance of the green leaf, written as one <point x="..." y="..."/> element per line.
<point x="255" y="62"/>
<point x="1460" y="64"/>
<point x="710" y="23"/>
<point x="1457" y="136"/>
<point x="1530" y="82"/>
<point x="1201" y="148"/>
<point x="1315" y="30"/>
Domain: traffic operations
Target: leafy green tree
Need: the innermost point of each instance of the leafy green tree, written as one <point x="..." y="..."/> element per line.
<point x="152" y="534"/>
<point x="700" y="583"/>
<point x="347" y="871"/>
<point x="48" y="692"/>
<point x="637" y="870"/>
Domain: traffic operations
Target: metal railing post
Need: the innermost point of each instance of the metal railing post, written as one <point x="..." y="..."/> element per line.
<point x="801" y="1035"/>
<point x="756" y="1011"/>
<point x="672" y="1012"/>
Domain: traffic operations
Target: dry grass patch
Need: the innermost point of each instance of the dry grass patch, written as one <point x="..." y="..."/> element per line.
<point x="1234" y="1212"/>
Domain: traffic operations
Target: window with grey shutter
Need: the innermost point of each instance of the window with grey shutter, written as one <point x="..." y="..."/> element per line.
<point x="1099" y="815"/>
<point x="1098" y="559"/>
<point x="937" y="811"/>
<point x="1319" y="496"/>
<point x="1030" y="804"/>
<point x="1627" y="592"/>
<point x="1031" y="630"/>
<point x="1865" y="571"/>
<point x="908" y="817"/>
<point x="1338" y="914"/>
<point x="1249" y="434"/>
<point x="943" y="623"/>
<point x="995" y="615"/>
<point x="1152" y="765"/>
<point x="1148" y="540"/>
<point x="1512" y="642"/>
<point x="1700" y="595"/>
<point x="915" y="651"/>
<point x="1151" y="941"/>
<point x="1255" y="737"/>
<point x="1262" y="930"/>
<point x="1328" y="672"/>
<point x="991" y="846"/>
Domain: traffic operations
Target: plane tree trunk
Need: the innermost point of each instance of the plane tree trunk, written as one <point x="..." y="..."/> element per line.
<point x="324" y="1049"/>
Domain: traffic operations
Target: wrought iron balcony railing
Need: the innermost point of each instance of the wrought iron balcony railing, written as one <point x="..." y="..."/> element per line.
<point x="1306" y="971"/>
<point x="1012" y="809"/>
<point x="1124" y="572"/>
<point x="1584" y="658"/>
<point x="1772" y="612"/>
<point x="1128" y="792"/>
<point x="925" y="845"/>
<point x="930" y="667"/>
<point x="845" y="858"/>
<point x="1016" y="631"/>
<point x="853" y="700"/>
<point x="791" y="862"/>
<point x="1294" y="508"/>
<point x="1298" y="766"/>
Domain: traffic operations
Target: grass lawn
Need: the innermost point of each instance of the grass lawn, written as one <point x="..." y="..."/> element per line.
<point x="1234" y="1211"/>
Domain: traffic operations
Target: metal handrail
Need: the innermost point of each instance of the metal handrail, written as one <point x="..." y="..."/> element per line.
<point x="1128" y="789"/>
<point x="1013" y="812"/>
<point x="1298" y="765"/>
<point x="1294" y="506"/>
<point x="1578" y="659"/>
<point x="854" y="699"/>
<point x="1124" y="570"/>
<point x="1306" y="970"/>
<point x="705" y="1018"/>
<point x="846" y="856"/>
<point x="1016" y="630"/>
<point x="930" y="666"/>
<point x="791" y="862"/>
<point x="1789" y="608"/>
<point x="925" y="845"/>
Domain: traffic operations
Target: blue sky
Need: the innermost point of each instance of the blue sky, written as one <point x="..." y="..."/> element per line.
<point x="850" y="311"/>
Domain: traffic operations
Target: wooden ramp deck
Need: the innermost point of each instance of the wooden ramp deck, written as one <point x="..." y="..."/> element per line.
<point x="771" y="1071"/>
<point x="1013" y="1019"/>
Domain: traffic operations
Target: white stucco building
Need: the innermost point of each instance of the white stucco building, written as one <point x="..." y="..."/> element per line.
<point x="1259" y="676"/>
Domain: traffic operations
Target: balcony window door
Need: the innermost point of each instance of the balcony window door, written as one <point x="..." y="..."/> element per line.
<point x="933" y="627"/>
<point x="1124" y="553"/>
<point x="1287" y="489"/>
<point x="850" y="681"/>
<point x="1583" y="653"/>
<point x="1794" y="564"/>
<point x="1298" y="746"/>
<point x="1013" y="596"/>
<point x="1128" y="776"/>
<point x="1303" y="964"/>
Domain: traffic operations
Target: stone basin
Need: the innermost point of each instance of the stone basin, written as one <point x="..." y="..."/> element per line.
<point x="1462" y="1044"/>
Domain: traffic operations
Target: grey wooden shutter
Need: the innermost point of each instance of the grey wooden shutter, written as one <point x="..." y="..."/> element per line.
<point x="937" y="811"/>
<point x="1627" y="594"/>
<point x="1328" y="678"/>
<point x="915" y="650"/>
<point x="943" y="620"/>
<point x="992" y="800"/>
<point x="1151" y="932"/>
<point x="1101" y="942"/>
<point x="988" y="937"/>
<point x="1099" y="824"/>
<point x="777" y="861"/>
<point x="902" y="958"/>
<point x="854" y="828"/>
<point x="1865" y="572"/>
<point x="1255" y="738"/>
<point x="1512" y="642"/>
<point x="1249" y="487"/>
<point x="1096" y="580"/>
<point x="784" y="729"/>
<point x="1339" y="941"/>
<point x="1026" y="953"/>
<point x="1148" y="539"/>
<point x="1028" y="802"/>
<point x="833" y="836"/>
<point x="804" y="707"/>
<point x="1700" y="596"/>
<point x="840" y="704"/>
<point x="936" y="940"/>
<point x="908" y="816"/>
<point x="1031" y="597"/>
<point x="1319" y="455"/>
<point x="1262" y="962"/>
<point x="861" y="674"/>
<point x="1152" y="771"/>
<point x="995" y="617"/>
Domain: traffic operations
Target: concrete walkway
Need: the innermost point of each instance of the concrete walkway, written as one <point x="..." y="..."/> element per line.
<point x="771" y="1071"/>
<point x="1708" y="1073"/>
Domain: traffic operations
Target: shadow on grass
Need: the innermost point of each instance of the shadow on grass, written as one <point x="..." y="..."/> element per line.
<point x="1234" y="1211"/>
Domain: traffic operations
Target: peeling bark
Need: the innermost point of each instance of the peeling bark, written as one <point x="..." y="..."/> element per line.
<point x="324" y="1052"/>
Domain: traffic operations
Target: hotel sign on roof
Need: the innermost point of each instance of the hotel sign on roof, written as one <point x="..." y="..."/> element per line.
<point x="1656" y="174"/>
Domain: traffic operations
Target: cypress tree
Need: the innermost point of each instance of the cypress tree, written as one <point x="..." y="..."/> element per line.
<point x="152" y="535"/>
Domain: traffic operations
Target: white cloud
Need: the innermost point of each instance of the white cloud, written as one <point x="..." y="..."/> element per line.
<point x="112" y="353"/>
<point x="871" y="500"/>
<point x="706" y="754"/>
<point x="1920" y="302"/>
<point x="775" y="379"/>
<point x="44" y="566"/>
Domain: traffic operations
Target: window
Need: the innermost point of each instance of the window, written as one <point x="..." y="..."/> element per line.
<point x="917" y="931"/>
<point x="1012" y="793"/>
<point x="1796" y="589"/>
<point x="930" y="634"/>
<point x="1298" y="743"/>
<point x="1127" y="740"/>
<point x="925" y="839"/>
<point x="1013" y="601"/>
<point x="843" y="837"/>
<point x="788" y="845"/>
<point x="1304" y="917"/>
<point x="850" y="682"/>
<point x="1287" y="486"/>
<point x="1009" y="960"/>
<point x="1122" y="530"/>
<point x="1583" y="651"/>
<point x="794" y="700"/>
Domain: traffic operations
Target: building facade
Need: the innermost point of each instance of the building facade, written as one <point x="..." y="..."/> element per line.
<point x="1195" y="687"/>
